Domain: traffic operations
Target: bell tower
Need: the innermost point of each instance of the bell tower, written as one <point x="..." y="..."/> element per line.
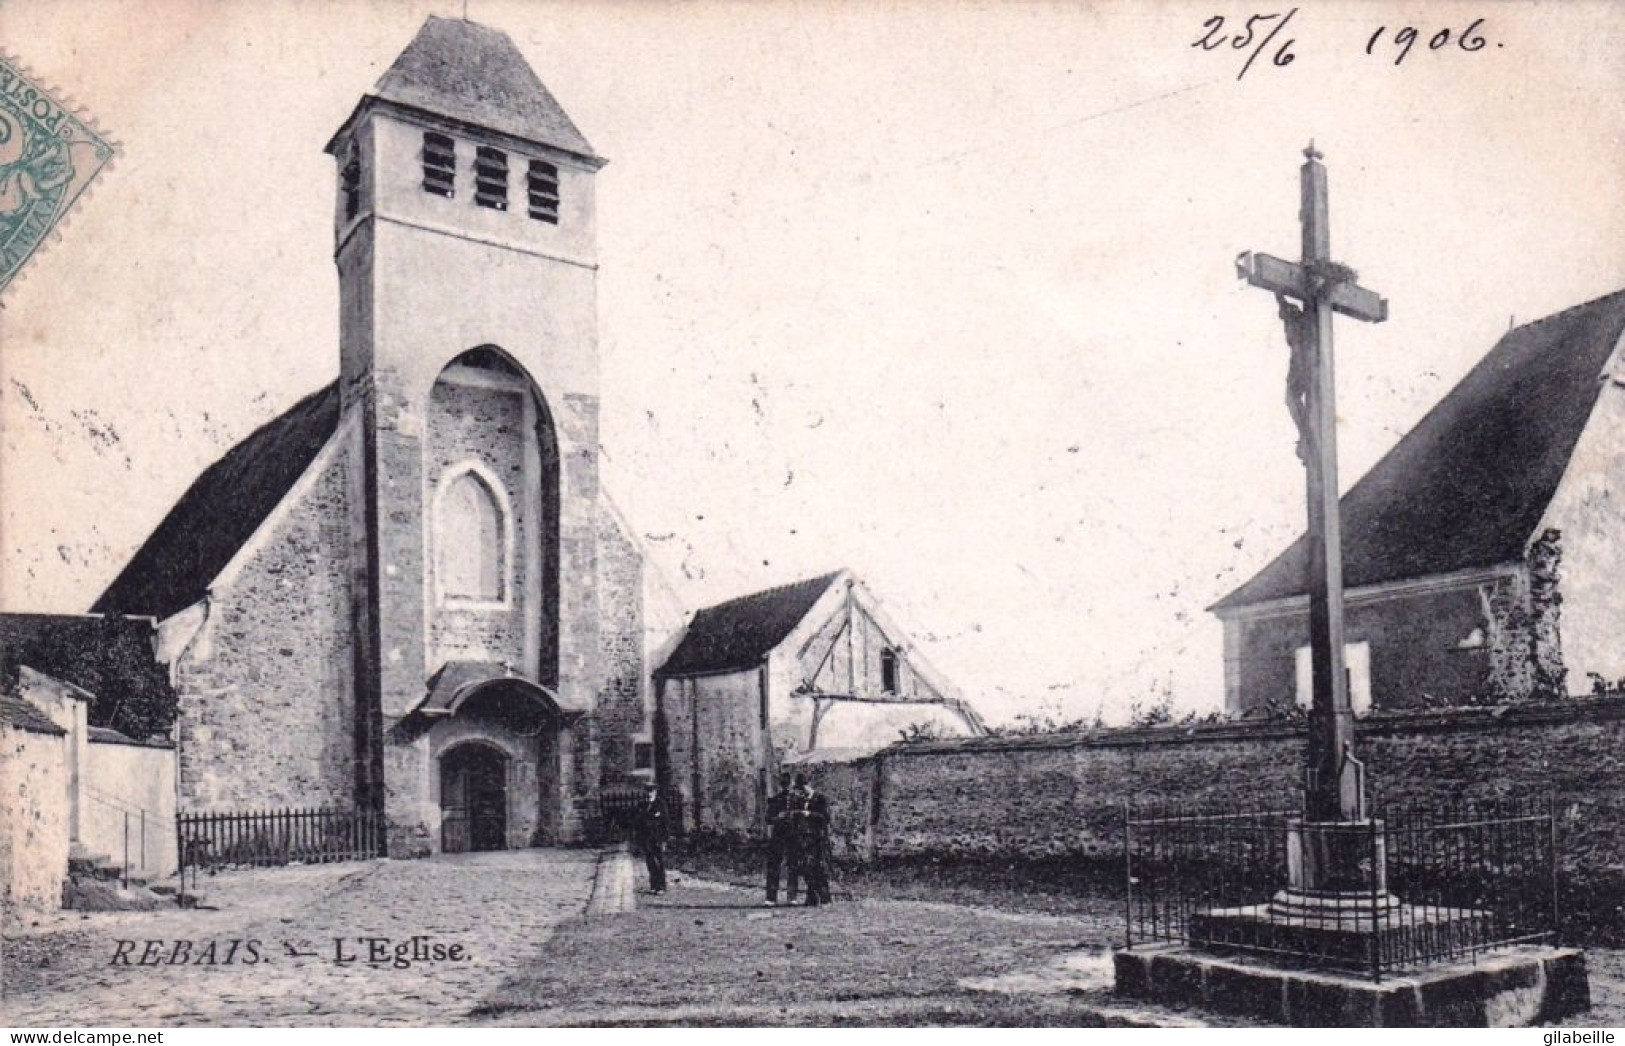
<point x="467" y="257"/>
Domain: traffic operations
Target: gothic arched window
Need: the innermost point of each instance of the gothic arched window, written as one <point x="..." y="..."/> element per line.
<point x="472" y="539"/>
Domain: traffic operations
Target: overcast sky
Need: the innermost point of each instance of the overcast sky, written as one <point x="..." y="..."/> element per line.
<point x="941" y="292"/>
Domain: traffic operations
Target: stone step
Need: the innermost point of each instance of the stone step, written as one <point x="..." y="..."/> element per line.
<point x="96" y="895"/>
<point x="88" y="863"/>
<point x="103" y="868"/>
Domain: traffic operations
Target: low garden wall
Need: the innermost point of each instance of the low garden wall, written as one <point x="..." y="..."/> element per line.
<point x="1063" y="795"/>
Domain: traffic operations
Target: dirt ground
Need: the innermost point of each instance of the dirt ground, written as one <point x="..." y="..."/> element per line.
<point x="962" y="945"/>
<point x="709" y="954"/>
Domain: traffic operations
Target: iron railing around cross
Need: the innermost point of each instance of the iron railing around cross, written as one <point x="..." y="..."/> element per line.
<point x="1461" y="880"/>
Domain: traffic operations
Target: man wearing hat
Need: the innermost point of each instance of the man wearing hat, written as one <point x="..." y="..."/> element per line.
<point x="780" y="844"/>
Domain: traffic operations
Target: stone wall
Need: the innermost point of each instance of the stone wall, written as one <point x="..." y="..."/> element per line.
<point x="620" y="708"/>
<point x="714" y="750"/>
<point x="1063" y="795"/>
<point x="129" y="785"/>
<point x="483" y="426"/>
<point x="1588" y="513"/>
<point x="34" y="816"/>
<point x="1478" y="637"/>
<point x="1438" y="646"/>
<point x="267" y="714"/>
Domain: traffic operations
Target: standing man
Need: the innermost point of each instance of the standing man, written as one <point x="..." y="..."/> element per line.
<point x="650" y="837"/>
<point x="780" y="845"/>
<point x="812" y="820"/>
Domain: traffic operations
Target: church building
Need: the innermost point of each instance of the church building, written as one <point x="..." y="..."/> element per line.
<point x="406" y="597"/>
<point x="407" y="594"/>
<point x="1483" y="554"/>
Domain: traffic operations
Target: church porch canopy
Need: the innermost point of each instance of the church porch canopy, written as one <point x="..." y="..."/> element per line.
<point x="489" y="686"/>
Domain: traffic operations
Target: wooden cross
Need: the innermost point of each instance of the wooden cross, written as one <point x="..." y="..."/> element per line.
<point x="1333" y="784"/>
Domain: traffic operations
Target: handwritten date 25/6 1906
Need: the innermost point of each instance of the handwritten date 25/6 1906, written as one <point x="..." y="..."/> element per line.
<point x="1256" y="33"/>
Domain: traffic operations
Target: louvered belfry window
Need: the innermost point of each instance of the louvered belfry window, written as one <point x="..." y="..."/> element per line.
<point x="544" y="192"/>
<point x="491" y="178"/>
<point x="439" y="164"/>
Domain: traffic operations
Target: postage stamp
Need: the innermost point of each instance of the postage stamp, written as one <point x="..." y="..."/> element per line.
<point x="48" y="157"/>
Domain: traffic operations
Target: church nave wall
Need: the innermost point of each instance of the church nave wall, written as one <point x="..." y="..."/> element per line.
<point x="265" y="688"/>
<point x="620" y="706"/>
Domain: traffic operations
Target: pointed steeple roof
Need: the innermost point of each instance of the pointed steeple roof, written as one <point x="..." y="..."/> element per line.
<point x="476" y="74"/>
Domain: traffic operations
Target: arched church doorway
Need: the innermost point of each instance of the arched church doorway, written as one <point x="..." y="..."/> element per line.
<point x="473" y="799"/>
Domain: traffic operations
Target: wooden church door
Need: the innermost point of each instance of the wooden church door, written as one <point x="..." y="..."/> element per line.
<point x="473" y="799"/>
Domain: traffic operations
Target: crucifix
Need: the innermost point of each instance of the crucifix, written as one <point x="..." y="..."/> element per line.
<point x="1333" y="779"/>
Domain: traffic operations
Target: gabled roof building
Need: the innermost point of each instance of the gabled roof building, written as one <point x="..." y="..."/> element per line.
<point x="1482" y="554"/>
<point x="807" y="672"/>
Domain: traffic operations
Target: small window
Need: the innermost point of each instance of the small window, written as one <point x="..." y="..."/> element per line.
<point x="888" y="671"/>
<point x="1357" y="665"/>
<point x="439" y="164"/>
<point x="350" y="182"/>
<point x="491" y="178"/>
<point x="543" y="187"/>
<point x="643" y="755"/>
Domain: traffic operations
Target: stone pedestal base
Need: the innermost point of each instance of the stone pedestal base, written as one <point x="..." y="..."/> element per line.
<point x="1342" y="931"/>
<point x="1337" y="857"/>
<point x="1507" y="989"/>
<point x="1333" y="907"/>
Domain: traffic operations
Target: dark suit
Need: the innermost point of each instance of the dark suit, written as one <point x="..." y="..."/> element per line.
<point x="650" y="837"/>
<point x="780" y="848"/>
<point x="810" y="814"/>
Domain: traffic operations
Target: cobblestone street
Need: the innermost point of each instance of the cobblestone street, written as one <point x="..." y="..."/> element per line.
<point x="500" y="907"/>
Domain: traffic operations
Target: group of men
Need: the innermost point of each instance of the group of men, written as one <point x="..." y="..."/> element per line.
<point x="797" y="840"/>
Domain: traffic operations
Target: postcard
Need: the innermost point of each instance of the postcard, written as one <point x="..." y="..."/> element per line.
<point x="894" y="514"/>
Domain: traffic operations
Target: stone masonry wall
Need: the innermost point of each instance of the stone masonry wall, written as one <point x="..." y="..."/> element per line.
<point x="620" y="705"/>
<point x="674" y="724"/>
<point x="486" y="426"/>
<point x="1063" y="795"/>
<point x="267" y="712"/>
<point x="722" y="713"/>
<point x="1434" y="648"/>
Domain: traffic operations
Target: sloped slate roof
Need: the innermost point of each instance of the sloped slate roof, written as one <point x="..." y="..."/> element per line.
<point x="17" y="712"/>
<point x="743" y="631"/>
<point x="221" y="511"/>
<point x="445" y="687"/>
<point x="452" y="678"/>
<point x="1467" y="486"/>
<point x="475" y="74"/>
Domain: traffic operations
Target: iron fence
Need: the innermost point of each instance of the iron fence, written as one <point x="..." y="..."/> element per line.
<point x="265" y="838"/>
<point x="612" y="814"/>
<point x="1434" y="883"/>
